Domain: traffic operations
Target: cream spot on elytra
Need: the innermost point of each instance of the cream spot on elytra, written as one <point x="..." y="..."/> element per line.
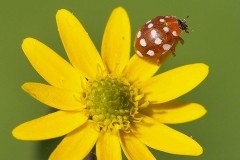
<point x="174" y="33"/>
<point x="162" y="20"/>
<point x="139" y="53"/>
<point x="166" y="29"/>
<point x="158" y="41"/>
<point x="148" y="21"/>
<point x="139" y="34"/>
<point x="153" y="33"/>
<point x="150" y="53"/>
<point x="150" y="25"/>
<point x="166" y="47"/>
<point x="143" y="42"/>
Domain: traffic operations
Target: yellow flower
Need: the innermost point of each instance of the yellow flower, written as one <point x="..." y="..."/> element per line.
<point x="111" y="102"/>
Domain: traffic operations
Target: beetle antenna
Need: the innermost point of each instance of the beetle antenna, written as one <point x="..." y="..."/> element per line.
<point x="188" y="30"/>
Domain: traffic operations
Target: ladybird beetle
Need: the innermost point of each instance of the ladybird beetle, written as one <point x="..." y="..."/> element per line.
<point x="158" y="36"/>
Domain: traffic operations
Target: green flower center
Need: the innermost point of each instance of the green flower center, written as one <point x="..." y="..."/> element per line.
<point x="111" y="102"/>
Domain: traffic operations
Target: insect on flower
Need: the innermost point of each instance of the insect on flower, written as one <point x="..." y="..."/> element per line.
<point x="124" y="109"/>
<point x="158" y="36"/>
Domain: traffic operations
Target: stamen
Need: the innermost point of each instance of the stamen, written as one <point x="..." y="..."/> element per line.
<point x="113" y="102"/>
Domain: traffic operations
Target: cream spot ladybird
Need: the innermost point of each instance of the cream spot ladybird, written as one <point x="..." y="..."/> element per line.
<point x="158" y="37"/>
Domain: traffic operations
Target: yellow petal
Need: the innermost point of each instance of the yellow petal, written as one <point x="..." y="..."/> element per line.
<point x="139" y="70"/>
<point x="77" y="144"/>
<point x="50" y="126"/>
<point x="108" y="146"/>
<point x="78" y="45"/>
<point x="116" y="41"/>
<point x="54" y="69"/>
<point x="133" y="148"/>
<point x="158" y="136"/>
<point x="174" y="83"/>
<point x="55" y="97"/>
<point x="174" y="112"/>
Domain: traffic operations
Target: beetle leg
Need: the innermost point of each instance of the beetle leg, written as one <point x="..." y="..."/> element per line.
<point x="173" y="49"/>
<point x="180" y="40"/>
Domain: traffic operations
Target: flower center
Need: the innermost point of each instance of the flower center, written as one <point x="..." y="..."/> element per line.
<point x="111" y="102"/>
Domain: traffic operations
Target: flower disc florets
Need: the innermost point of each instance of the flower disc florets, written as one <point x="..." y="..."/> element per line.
<point x="111" y="102"/>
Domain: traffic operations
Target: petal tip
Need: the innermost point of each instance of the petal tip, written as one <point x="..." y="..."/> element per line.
<point x="199" y="151"/>
<point x="201" y="110"/>
<point x="16" y="134"/>
<point x="28" y="43"/>
<point x="27" y="40"/>
<point x="62" y="11"/>
<point x="25" y="87"/>
<point x="205" y="70"/>
<point x="204" y="111"/>
<point x="204" y="67"/>
<point x="120" y="10"/>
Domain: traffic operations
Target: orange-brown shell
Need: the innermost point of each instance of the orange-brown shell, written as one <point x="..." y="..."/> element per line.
<point x="157" y="36"/>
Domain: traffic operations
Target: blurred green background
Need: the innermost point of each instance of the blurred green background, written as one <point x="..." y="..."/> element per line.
<point x="215" y="41"/>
